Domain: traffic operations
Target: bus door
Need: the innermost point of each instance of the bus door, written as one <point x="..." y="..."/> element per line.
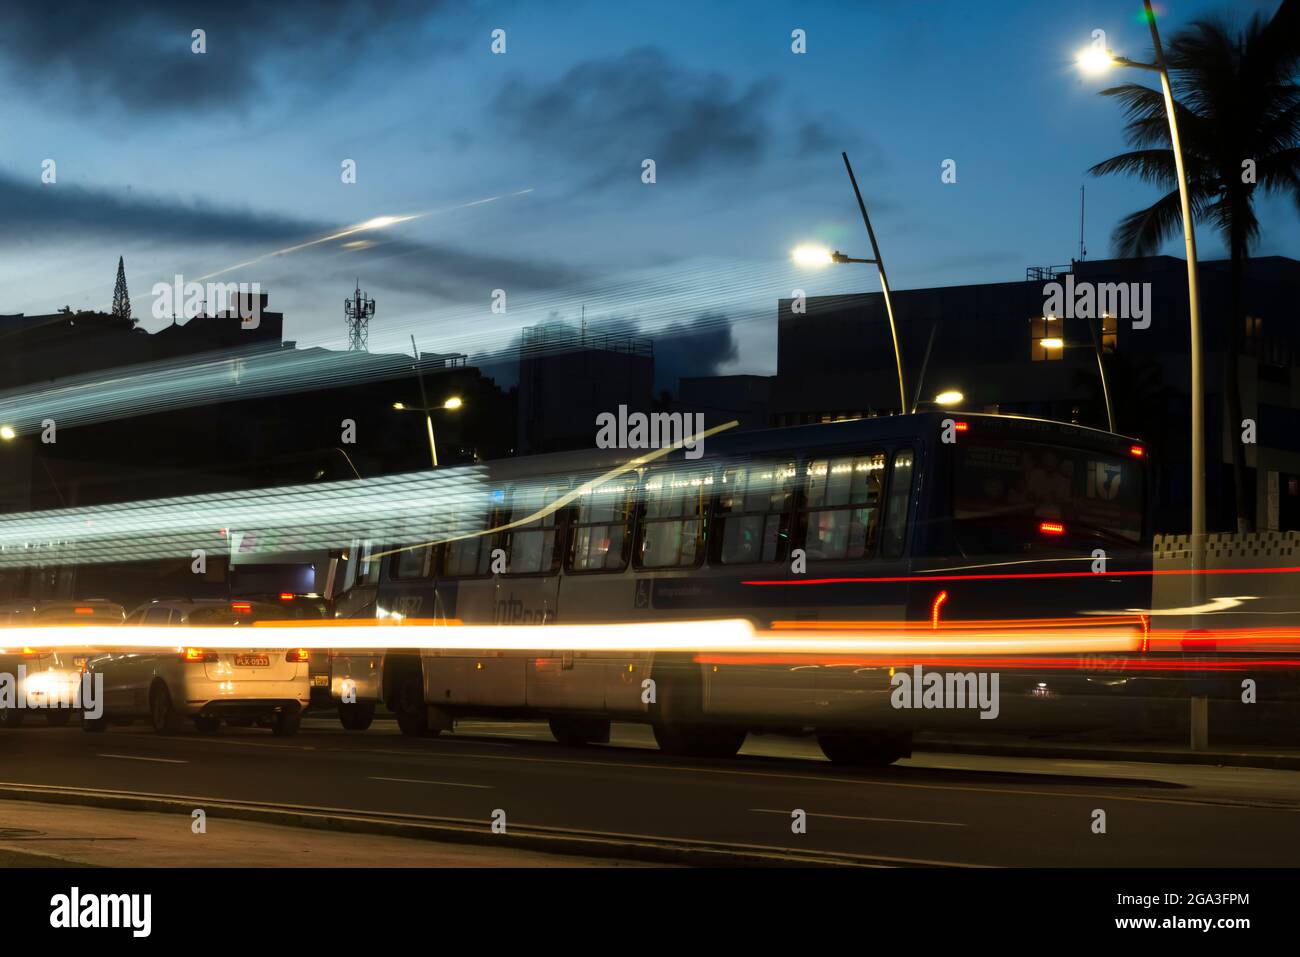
<point x="595" y="587"/>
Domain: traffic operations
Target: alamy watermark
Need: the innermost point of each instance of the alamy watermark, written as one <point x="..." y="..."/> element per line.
<point x="189" y="299"/>
<point x="946" y="690"/>
<point x="1095" y="300"/>
<point x="655" y="430"/>
<point x="52" y="689"/>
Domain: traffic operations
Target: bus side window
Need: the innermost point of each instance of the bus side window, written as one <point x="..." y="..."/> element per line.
<point x="533" y="548"/>
<point x="893" y="536"/>
<point x="842" y="505"/>
<point x="750" y="522"/>
<point x="413" y="562"/>
<point x="469" y="556"/>
<point x="672" y="527"/>
<point x="602" y="529"/>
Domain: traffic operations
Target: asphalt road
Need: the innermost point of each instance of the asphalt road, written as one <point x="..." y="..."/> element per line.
<point x="935" y="808"/>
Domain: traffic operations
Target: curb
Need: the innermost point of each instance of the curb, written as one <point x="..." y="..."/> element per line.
<point x="682" y="851"/>
<point x="1234" y="759"/>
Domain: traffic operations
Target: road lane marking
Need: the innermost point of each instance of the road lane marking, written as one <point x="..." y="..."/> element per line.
<point x="136" y="757"/>
<point x="850" y="817"/>
<point x="448" y="784"/>
<point x="473" y="824"/>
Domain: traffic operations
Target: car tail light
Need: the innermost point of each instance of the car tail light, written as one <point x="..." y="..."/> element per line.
<point x="1051" y="528"/>
<point x="286" y="596"/>
<point x="1137" y="451"/>
<point x="198" y="654"/>
<point x="298" y="655"/>
<point x="35" y="652"/>
<point x="241" y="607"/>
<point x="84" y="610"/>
<point x="961" y="426"/>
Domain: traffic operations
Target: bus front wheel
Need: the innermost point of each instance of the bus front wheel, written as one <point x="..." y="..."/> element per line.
<point x="870" y="750"/>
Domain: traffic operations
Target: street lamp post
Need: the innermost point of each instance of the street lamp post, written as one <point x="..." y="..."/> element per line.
<point x="1099" y="58"/>
<point x="450" y="405"/>
<point x="817" y="256"/>
<point x="1096" y="58"/>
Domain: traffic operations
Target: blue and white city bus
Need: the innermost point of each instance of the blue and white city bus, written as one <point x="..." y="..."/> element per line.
<point x="967" y="517"/>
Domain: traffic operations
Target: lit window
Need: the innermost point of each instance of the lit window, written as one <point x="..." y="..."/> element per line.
<point x="1109" y="333"/>
<point x="1254" y="327"/>
<point x="1045" y="338"/>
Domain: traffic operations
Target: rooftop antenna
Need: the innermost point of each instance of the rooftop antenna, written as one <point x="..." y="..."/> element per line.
<point x="358" y="310"/>
<point x="1083" y="250"/>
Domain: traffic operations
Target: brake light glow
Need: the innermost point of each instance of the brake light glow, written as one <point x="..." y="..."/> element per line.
<point x="84" y="610"/>
<point x="935" y="606"/>
<point x="298" y="655"/>
<point x="243" y="607"/>
<point x="961" y="426"/>
<point x="1137" y="451"/>
<point x="1051" y="528"/>
<point x="286" y="596"/>
<point x="194" y="654"/>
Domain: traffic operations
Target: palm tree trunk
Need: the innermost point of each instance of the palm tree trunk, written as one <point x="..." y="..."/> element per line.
<point x="1232" y="387"/>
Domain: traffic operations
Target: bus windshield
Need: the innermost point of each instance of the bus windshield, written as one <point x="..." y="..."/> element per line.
<point x="1012" y="494"/>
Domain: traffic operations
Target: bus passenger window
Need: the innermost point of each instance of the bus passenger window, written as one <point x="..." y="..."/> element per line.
<point x="842" y="506"/>
<point x="414" y="562"/>
<point x="602" y="531"/>
<point x="531" y="549"/>
<point x="472" y="555"/>
<point x="672" y="534"/>
<point x="893" y="537"/>
<point x="752" y="504"/>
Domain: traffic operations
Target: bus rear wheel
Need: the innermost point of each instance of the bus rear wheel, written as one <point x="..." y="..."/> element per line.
<point x="412" y="712"/>
<point x="357" y="715"/>
<point x="580" y="731"/>
<point x="869" y="750"/>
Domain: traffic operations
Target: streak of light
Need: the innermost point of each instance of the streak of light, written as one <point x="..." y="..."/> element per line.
<point x="726" y="635"/>
<point x="1015" y="576"/>
<point x="370" y="225"/>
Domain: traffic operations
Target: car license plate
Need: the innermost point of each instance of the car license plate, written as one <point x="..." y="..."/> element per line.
<point x="252" y="661"/>
<point x="321" y="681"/>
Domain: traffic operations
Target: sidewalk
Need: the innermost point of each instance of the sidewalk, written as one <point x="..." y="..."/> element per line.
<point x="59" y="835"/>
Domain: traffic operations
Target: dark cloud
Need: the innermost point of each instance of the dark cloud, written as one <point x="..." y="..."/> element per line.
<point x="137" y="52"/>
<point x="607" y="115"/>
<point x="64" y="212"/>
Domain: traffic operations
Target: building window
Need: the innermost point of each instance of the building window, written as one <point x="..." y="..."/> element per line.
<point x="1046" y="340"/>
<point x="1109" y="333"/>
<point x="1254" y="327"/>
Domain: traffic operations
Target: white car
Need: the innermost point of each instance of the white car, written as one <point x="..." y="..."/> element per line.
<point x="239" y="686"/>
<point x="51" y="676"/>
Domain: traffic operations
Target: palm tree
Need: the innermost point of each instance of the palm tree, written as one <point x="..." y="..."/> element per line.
<point x="1237" y="100"/>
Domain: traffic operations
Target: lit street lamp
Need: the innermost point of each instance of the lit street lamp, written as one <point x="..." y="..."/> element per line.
<point x="815" y="256"/>
<point x="450" y="405"/>
<point x="1095" y="58"/>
